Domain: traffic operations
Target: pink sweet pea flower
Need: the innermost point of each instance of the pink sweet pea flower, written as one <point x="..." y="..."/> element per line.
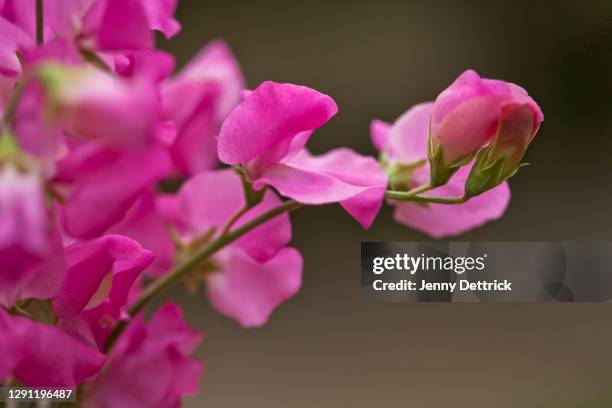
<point x="99" y="277"/>
<point x="144" y="223"/>
<point x="110" y="25"/>
<point x="267" y="133"/>
<point x="13" y="38"/>
<point x="102" y="185"/>
<point x="31" y="250"/>
<point x="466" y="115"/>
<point x="149" y="366"/>
<point x="405" y="143"/>
<point x="254" y="274"/>
<point x="44" y="356"/>
<point x="197" y="100"/>
<point x="91" y="103"/>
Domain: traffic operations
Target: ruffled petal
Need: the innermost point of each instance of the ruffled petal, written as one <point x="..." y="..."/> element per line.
<point x="102" y="196"/>
<point x="248" y="291"/>
<point x="198" y="99"/>
<point x="357" y="182"/>
<point x="45" y="356"/>
<point x="263" y="126"/>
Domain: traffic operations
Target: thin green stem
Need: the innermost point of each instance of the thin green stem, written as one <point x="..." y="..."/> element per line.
<point x="405" y="196"/>
<point x="11" y="106"/>
<point x="419" y="189"/>
<point x="160" y="285"/>
<point x="235" y="219"/>
<point x="40" y="22"/>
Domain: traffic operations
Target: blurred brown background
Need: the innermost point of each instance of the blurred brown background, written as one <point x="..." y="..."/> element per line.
<point x="326" y="349"/>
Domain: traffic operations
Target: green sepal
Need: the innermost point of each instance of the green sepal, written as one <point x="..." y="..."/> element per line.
<point x="440" y="172"/>
<point x="486" y="175"/>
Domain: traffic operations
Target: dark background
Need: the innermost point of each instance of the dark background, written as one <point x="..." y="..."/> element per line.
<point x="324" y="348"/>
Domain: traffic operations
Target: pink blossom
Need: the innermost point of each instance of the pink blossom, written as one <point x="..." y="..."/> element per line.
<point x="39" y="355"/>
<point x="254" y="274"/>
<point x="144" y="223"/>
<point x="198" y="99"/>
<point x="14" y="37"/>
<point x="93" y="104"/>
<point x="110" y="25"/>
<point x="102" y="184"/>
<point x="31" y="256"/>
<point x="149" y="366"/>
<point x="98" y="280"/>
<point x="267" y="133"/>
<point x="466" y="115"/>
<point x="405" y="143"/>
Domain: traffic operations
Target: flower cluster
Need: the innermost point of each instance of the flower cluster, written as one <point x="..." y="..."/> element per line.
<point x="119" y="178"/>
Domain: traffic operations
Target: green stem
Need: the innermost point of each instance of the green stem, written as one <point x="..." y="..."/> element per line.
<point x="160" y="285"/>
<point x="234" y="219"/>
<point x="40" y="22"/>
<point x="11" y="106"/>
<point x="419" y="189"/>
<point x="406" y="196"/>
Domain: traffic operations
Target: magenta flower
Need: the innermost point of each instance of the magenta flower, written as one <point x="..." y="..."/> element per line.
<point x="99" y="277"/>
<point x="90" y="103"/>
<point x="14" y="35"/>
<point x="31" y="251"/>
<point x="109" y="25"/>
<point x="39" y="355"/>
<point x="149" y="366"/>
<point x="266" y="134"/>
<point x="197" y="100"/>
<point x="102" y="184"/>
<point x="404" y="145"/>
<point x="466" y="115"/>
<point x="252" y="276"/>
<point x="144" y="223"/>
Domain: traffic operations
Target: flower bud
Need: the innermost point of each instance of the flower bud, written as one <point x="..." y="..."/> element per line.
<point x="466" y="117"/>
<point x="501" y="159"/>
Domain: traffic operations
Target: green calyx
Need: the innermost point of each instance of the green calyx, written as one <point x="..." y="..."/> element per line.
<point x="488" y="173"/>
<point x="440" y="172"/>
<point x="11" y="153"/>
<point x="400" y="174"/>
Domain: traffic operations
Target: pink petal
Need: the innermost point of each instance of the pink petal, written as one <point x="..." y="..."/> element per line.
<point x="31" y="250"/>
<point x="12" y="38"/>
<point x="160" y="14"/>
<point x="98" y="280"/>
<point x="264" y="242"/>
<point x="208" y="201"/>
<point x="379" y="133"/>
<point x="248" y="291"/>
<point x="469" y="126"/>
<point x="45" y="356"/>
<point x="155" y="65"/>
<point x="265" y="123"/>
<point x="90" y="262"/>
<point x="198" y="100"/>
<point x="96" y="105"/>
<point x="101" y="199"/>
<point x="124" y="26"/>
<point x="467" y="86"/>
<point x="145" y="224"/>
<point x="407" y="141"/>
<point x="149" y="366"/>
<point x="341" y="175"/>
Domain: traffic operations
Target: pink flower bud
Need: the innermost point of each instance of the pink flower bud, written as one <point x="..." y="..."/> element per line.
<point x="466" y="115"/>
